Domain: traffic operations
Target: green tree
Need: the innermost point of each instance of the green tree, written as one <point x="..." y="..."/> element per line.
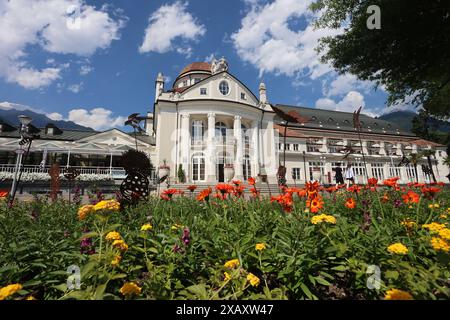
<point x="414" y="159"/>
<point x="181" y="174"/>
<point x="408" y="55"/>
<point x="428" y="154"/>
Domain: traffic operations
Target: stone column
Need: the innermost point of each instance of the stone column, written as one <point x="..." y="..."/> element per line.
<point x="185" y="143"/>
<point x="238" y="173"/>
<point x="211" y="150"/>
<point x="255" y="154"/>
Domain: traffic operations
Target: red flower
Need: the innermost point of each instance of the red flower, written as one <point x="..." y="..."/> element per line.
<point x="372" y="182"/>
<point x="165" y="197"/>
<point x="3" y="194"/>
<point x="224" y="188"/>
<point x="315" y="204"/>
<point x="192" y="188"/>
<point x="251" y="181"/>
<point x="350" y="203"/>
<point x="170" y="192"/>
<point x="354" y="188"/>
<point x="285" y="200"/>
<point x="391" y="182"/>
<point x="411" y="197"/>
<point x="238" y="191"/>
<point x="254" y="192"/>
<point x="430" y="192"/>
<point x="237" y="182"/>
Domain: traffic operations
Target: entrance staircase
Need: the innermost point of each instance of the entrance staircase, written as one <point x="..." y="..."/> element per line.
<point x="264" y="188"/>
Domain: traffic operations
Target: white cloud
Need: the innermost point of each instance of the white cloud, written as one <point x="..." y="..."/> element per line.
<point x="85" y="70"/>
<point x="349" y="103"/>
<point x="76" y="88"/>
<point x="98" y="118"/>
<point x="55" y="27"/>
<point x="168" y="23"/>
<point x="187" y="52"/>
<point x="55" y="116"/>
<point x="266" y="40"/>
<point x="342" y="84"/>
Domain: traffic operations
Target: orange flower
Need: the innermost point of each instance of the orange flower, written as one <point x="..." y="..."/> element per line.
<point x="254" y="192"/>
<point x="238" y="191"/>
<point x="251" y="181"/>
<point x="385" y="198"/>
<point x="237" y="183"/>
<point x="224" y="189"/>
<point x="204" y="195"/>
<point x="430" y="192"/>
<point x="3" y="194"/>
<point x="169" y="193"/>
<point x="312" y="189"/>
<point x="350" y="203"/>
<point x="411" y="197"/>
<point x="331" y="189"/>
<point x="301" y="193"/>
<point x="391" y="182"/>
<point x="285" y="200"/>
<point x="354" y="188"/>
<point x="315" y="204"/>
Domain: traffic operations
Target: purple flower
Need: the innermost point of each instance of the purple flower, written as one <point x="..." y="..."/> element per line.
<point x="397" y="203"/>
<point x="176" y="248"/>
<point x="86" y="245"/>
<point x="186" y="236"/>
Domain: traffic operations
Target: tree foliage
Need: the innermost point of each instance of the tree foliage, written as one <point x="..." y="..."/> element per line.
<point x="409" y="55"/>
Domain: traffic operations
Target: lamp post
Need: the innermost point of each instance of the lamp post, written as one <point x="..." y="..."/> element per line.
<point x="24" y="121"/>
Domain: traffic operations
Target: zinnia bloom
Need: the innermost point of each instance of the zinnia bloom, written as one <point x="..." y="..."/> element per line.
<point x="398" y="248"/>
<point x="232" y="264"/>
<point x="408" y="224"/>
<point x="395" y="294"/>
<point x="84" y="211"/>
<point x="372" y="182"/>
<point x="444" y="233"/>
<point x="146" y="227"/>
<point x="204" y="195"/>
<point x="130" y="289"/>
<point x="350" y="203"/>
<point x="439" y="244"/>
<point x="315" y="204"/>
<point x="170" y="192"/>
<point x="254" y="280"/>
<point x="192" y="188"/>
<point x="411" y="197"/>
<point x="323" y="218"/>
<point x="251" y="181"/>
<point x="9" y="290"/>
<point x="391" y="182"/>
<point x="3" y="194"/>
<point x="226" y="276"/>
<point x="113" y="235"/>
<point x="260" y="246"/>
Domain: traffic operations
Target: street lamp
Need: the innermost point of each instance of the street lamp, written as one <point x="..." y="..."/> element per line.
<point x="24" y="138"/>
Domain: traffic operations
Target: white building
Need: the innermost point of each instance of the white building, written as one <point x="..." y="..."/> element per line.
<point x="209" y="119"/>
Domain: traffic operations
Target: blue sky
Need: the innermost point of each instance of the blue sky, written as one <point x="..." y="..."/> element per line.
<point x="95" y="62"/>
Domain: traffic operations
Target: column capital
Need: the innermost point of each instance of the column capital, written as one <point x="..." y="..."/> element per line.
<point x="237" y="117"/>
<point x="185" y="116"/>
<point x="211" y="115"/>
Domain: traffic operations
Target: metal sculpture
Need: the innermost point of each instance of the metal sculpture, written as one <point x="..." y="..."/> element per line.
<point x="135" y="187"/>
<point x="134" y="121"/>
<point x="404" y="162"/>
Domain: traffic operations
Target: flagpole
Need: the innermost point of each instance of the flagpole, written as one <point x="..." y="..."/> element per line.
<point x="357" y="125"/>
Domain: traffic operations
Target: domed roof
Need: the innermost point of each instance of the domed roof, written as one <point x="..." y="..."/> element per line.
<point x="196" y="66"/>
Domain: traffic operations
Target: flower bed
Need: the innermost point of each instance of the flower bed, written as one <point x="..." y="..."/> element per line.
<point x="38" y="176"/>
<point x="311" y="243"/>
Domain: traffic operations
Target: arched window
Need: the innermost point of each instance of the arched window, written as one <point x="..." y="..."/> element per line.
<point x="224" y="88"/>
<point x="197" y="130"/>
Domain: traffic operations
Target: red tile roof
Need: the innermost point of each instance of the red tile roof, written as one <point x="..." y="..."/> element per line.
<point x="196" y="66"/>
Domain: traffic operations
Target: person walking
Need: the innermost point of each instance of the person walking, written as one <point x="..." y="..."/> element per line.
<point x="338" y="176"/>
<point x="349" y="175"/>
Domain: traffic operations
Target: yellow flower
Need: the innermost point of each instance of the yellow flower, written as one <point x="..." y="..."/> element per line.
<point x="434" y="226"/>
<point x="146" y="227"/>
<point x="30" y="298"/>
<point x="436" y="205"/>
<point x="115" y="262"/>
<point x="231" y="264"/>
<point x="254" y="280"/>
<point x="176" y="226"/>
<point x="260" y="246"/>
<point x="439" y="244"/>
<point x="226" y="276"/>
<point x="111" y="205"/>
<point x="395" y="294"/>
<point x="120" y="244"/>
<point x="323" y="218"/>
<point x="444" y="233"/>
<point x="84" y="211"/>
<point x="9" y="290"/>
<point x="130" y="288"/>
<point x="398" y="248"/>
<point x="113" y="235"/>
<point x="408" y="224"/>
<point x="443" y="216"/>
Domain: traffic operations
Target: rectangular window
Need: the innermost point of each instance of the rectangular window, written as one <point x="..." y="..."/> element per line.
<point x="185" y="83"/>
<point x="243" y="97"/>
<point x="203" y="91"/>
<point x="288" y="146"/>
<point x="296" y="173"/>
<point x="295" y="147"/>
